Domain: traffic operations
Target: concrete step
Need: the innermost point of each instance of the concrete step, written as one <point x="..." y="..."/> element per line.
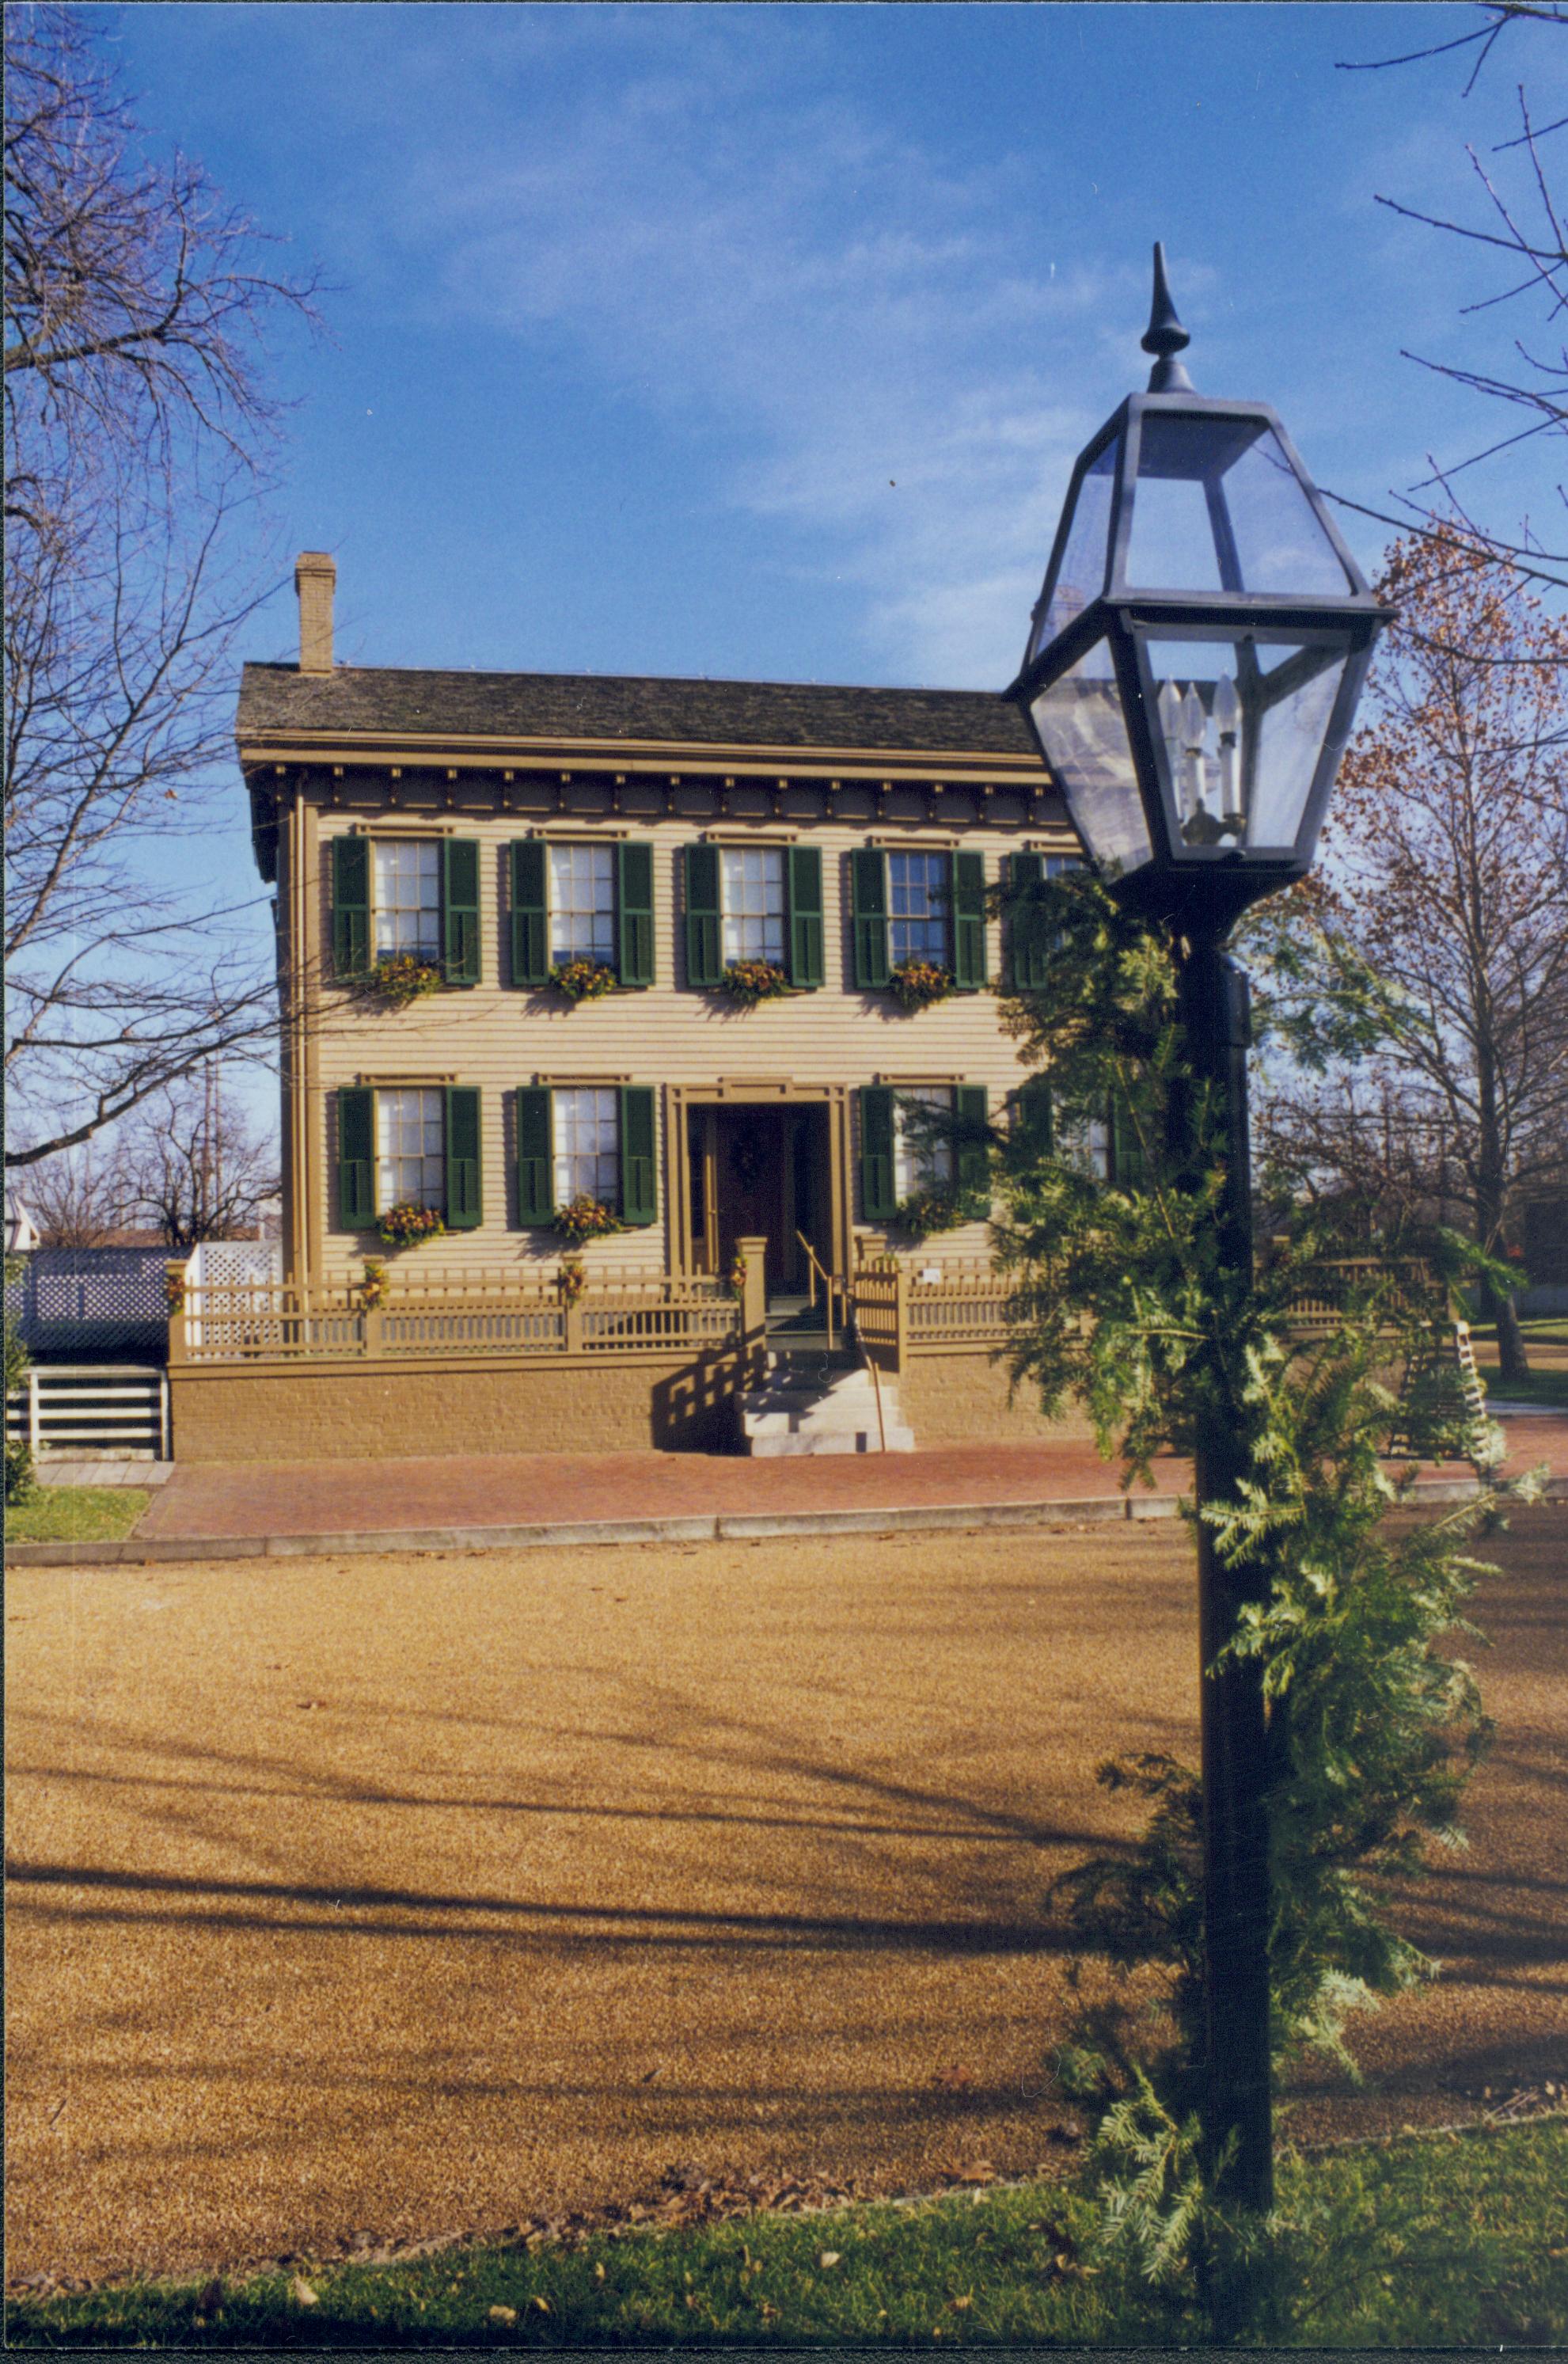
<point x="839" y="1415"/>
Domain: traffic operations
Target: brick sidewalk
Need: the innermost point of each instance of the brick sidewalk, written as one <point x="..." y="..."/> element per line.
<point x="253" y="1499"/>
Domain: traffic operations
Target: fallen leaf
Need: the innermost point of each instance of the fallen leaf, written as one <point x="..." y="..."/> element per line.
<point x="960" y="2303"/>
<point x="302" y="2293"/>
<point x="542" y="2303"/>
<point x="503" y="2315"/>
<point x="599" y="2272"/>
<point x="829" y="2257"/>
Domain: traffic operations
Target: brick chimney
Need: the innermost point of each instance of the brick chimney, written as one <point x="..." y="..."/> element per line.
<point x="315" y="574"/>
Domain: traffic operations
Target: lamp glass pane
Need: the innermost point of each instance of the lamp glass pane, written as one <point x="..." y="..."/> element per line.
<point x="1218" y="506"/>
<point x="1080" y="577"/>
<point x="1239" y="729"/>
<point x="1083" y="731"/>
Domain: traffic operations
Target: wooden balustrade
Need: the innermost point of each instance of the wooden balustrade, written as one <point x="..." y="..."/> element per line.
<point x="280" y="1322"/>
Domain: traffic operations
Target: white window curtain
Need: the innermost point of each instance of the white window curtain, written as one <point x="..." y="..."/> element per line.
<point x="410" y="1146"/>
<point x="582" y="904"/>
<point x="587" y="1145"/>
<point x="754" y="891"/>
<point x="409" y="899"/>
<point x="922" y="1149"/>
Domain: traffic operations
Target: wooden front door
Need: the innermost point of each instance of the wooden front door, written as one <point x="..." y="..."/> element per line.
<point x="760" y="1172"/>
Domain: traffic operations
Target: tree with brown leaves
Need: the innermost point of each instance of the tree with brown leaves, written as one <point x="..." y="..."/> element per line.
<point x="1443" y="888"/>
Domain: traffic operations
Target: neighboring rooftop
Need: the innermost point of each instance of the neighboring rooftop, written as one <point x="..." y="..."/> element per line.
<point x="375" y="700"/>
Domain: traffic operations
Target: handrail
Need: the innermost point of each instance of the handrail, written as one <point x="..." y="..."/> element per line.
<point x="818" y="1271"/>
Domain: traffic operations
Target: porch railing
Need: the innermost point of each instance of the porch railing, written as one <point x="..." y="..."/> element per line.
<point x="281" y="1322"/>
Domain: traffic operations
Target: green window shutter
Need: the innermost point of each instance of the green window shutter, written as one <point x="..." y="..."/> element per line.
<point x="971" y="1148"/>
<point x="634" y="911"/>
<point x="804" y="881"/>
<point x="1034" y="1119"/>
<point x="969" y="921"/>
<point x="705" y="940"/>
<point x="465" y="1195"/>
<point x="530" y="932"/>
<point x="351" y="906"/>
<point x="459" y="909"/>
<point x="1128" y="1167"/>
<point x="1027" y="948"/>
<point x="356" y="1160"/>
<point x="868" y="923"/>
<point x="639" y="1155"/>
<point x="879" y="1190"/>
<point x="535" y="1157"/>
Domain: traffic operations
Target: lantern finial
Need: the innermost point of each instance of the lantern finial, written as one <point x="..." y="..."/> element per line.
<point x="1165" y="336"/>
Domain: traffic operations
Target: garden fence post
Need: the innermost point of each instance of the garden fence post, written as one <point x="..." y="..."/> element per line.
<point x="179" y="1300"/>
<point x="900" y="1319"/>
<point x="753" y="1254"/>
<point x="572" y="1326"/>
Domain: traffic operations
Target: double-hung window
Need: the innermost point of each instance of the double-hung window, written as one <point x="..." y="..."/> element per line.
<point x="922" y="1140"/>
<point x="410" y="1145"/>
<point x="918" y="897"/>
<point x="917" y="904"/>
<point x="1029" y="944"/>
<point x="405" y="898"/>
<point x="408" y="898"/>
<point x="582" y="901"/>
<point x="753" y="903"/>
<point x="582" y="904"/>
<point x="585" y="1140"/>
<point x="753" y="886"/>
<point x="410" y="1149"/>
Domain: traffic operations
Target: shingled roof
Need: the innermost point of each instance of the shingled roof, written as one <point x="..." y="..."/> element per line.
<point x="376" y="700"/>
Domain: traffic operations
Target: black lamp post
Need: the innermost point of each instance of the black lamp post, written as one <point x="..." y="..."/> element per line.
<point x="1191" y="678"/>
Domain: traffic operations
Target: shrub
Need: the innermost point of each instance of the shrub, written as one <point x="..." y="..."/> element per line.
<point x="932" y="1210"/>
<point x="18" y="1472"/>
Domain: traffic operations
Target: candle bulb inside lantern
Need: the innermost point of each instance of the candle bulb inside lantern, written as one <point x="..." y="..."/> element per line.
<point x="1227" y="721"/>
<point x="1195" y="723"/>
<point x="1170" y="704"/>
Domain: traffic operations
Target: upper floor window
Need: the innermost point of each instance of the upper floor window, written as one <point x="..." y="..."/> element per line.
<point x="408" y="898"/>
<point x="919" y="898"/>
<point x="582" y="904"/>
<point x="399" y="898"/>
<point x="753" y="886"/>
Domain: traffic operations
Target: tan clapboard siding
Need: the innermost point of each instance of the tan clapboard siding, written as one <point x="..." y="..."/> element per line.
<point x="497" y="1037"/>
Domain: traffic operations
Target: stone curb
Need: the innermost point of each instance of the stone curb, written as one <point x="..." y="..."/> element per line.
<point x="747" y="1526"/>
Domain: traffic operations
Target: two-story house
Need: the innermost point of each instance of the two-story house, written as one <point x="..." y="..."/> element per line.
<point x="605" y="975"/>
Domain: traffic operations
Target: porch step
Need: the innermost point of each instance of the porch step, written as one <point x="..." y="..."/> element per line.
<point x="798" y="1412"/>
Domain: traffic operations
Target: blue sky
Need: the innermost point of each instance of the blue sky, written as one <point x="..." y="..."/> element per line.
<point x="758" y="339"/>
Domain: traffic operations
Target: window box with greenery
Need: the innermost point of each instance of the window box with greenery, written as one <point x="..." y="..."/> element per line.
<point x="402" y="907"/>
<point x="924" y="1152"/>
<point x="586" y="1150"/>
<point x="582" y="914"/>
<point x="409" y="1149"/>
<point x="753" y="910"/>
<point x="919" y="914"/>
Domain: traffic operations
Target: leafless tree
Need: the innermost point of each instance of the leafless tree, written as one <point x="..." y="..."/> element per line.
<point x="137" y="422"/>
<point x="77" y="1198"/>
<point x="193" y="1166"/>
<point x="1520" y="220"/>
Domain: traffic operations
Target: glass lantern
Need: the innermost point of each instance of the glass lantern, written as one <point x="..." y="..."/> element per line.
<point x="1199" y="647"/>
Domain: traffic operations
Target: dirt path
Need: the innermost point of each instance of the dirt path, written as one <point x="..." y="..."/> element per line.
<point x="416" y="1896"/>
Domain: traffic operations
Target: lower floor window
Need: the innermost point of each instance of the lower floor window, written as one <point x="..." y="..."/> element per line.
<point x="410" y="1139"/>
<point x="586" y="1144"/>
<point x="922" y="1146"/>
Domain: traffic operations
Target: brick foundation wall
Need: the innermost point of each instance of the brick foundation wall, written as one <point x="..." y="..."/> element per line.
<point x="353" y="1411"/>
<point x="953" y="1399"/>
<point x="370" y="1410"/>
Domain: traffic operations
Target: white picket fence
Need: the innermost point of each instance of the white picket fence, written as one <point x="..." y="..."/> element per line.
<point x="90" y="1412"/>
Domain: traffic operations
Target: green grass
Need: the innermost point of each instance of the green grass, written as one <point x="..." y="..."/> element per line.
<point x="1547" y="1388"/>
<point x="74" y="1514"/>
<point x="1450" y="2241"/>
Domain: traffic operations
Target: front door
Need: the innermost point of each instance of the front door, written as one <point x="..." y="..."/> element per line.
<point x="760" y="1172"/>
